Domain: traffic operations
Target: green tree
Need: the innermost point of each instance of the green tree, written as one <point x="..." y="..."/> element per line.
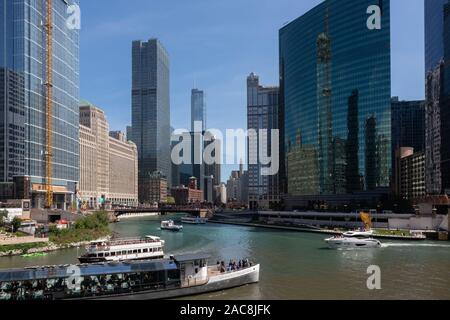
<point x="3" y="216"/>
<point x="16" y="223"/>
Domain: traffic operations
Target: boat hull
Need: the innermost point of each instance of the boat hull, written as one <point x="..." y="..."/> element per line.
<point x="174" y="229"/>
<point x="217" y="283"/>
<point x="343" y="243"/>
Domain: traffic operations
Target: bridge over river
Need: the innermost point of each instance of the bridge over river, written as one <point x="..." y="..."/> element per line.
<point x="197" y="212"/>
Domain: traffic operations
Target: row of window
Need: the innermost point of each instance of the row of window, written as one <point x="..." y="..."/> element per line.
<point x="125" y="252"/>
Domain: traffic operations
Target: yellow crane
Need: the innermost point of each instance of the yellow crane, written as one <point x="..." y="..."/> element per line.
<point x="49" y="105"/>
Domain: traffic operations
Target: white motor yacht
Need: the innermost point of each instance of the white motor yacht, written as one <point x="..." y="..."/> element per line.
<point x="169" y="225"/>
<point x="359" y="233"/>
<point x="341" y="242"/>
<point x="354" y="239"/>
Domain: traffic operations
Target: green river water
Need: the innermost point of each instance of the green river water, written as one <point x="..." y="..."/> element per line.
<point x="294" y="265"/>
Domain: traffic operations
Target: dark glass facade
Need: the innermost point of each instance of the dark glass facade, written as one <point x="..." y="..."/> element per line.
<point x="447" y="49"/>
<point x="437" y="60"/>
<point x="198" y="109"/>
<point x="434" y="29"/>
<point x="23" y="112"/>
<point x="151" y="109"/>
<point x="445" y="102"/>
<point x="335" y="104"/>
<point x="408" y="124"/>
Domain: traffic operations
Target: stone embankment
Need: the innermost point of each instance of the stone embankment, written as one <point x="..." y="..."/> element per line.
<point x="42" y="249"/>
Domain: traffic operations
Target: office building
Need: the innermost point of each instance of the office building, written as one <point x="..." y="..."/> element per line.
<point x="188" y="195"/>
<point x="151" y="109"/>
<point x="433" y="136"/>
<point x="214" y="169"/>
<point x="23" y="135"/>
<point x="221" y="194"/>
<point x="437" y="68"/>
<point x="198" y="110"/>
<point x="108" y="163"/>
<point x="408" y="128"/>
<point x="154" y="190"/>
<point x="335" y="104"/>
<point x="118" y="135"/>
<point x="262" y="114"/>
<point x="408" y="124"/>
<point x="237" y="187"/>
<point x="410" y="167"/>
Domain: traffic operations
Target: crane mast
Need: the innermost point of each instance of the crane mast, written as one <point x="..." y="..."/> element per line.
<point x="49" y="104"/>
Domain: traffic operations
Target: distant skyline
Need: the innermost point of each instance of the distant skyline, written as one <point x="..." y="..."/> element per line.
<point x="214" y="47"/>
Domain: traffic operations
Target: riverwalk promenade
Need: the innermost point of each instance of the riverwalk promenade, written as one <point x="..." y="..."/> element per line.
<point x="310" y="230"/>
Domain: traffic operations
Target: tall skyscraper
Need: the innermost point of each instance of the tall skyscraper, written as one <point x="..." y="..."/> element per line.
<point x="198" y="109"/>
<point x="434" y="31"/>
<point x="352" y="174"/>
<point x="262" y="114"/>
<point x="437" y="64"/>
<point x="433" y="134"/>
<point x="214" y="170"/>
<point x="198" y="127"/>
<point x="335" y="110"/>
<point x="22" y="98"/>
<point x="408" y="124"/>
<point x="151" y="109"/>
<point x="408" y="131"/>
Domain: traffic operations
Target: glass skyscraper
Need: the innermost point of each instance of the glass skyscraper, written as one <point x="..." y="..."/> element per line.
<point x="335" y="100"/>
<point x="434" y="30"/>
<point x="22" y="98"/>
<point x="437" y="64"/>
<point x="408" y="124"/>
<point x="262" y="114"/>
<point x="198" y="109"/>
<point x="151" y="109"/>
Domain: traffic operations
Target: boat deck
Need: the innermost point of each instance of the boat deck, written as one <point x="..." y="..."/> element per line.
<point x="213" y="271"/>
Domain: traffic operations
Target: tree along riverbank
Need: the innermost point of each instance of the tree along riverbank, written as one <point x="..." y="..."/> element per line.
<point x="84" y="230"/>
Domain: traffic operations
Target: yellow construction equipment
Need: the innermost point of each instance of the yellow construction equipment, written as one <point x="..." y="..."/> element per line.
<point x="49" y="105"/>
<point x="365" y="217"/>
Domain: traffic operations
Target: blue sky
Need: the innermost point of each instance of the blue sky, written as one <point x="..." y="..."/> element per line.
<point x="215" y="45"/>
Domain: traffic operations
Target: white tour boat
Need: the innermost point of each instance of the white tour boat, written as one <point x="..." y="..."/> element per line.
<point x="170" y="226"/>
<point x="148" y="247"/>
<point x="194" y="220"/>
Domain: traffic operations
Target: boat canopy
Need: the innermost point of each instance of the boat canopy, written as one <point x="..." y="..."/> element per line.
<point x="191" y="257"/>
<point x="52" y="272"/>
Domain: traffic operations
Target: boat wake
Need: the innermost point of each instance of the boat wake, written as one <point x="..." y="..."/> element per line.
<point x="432" y="245"/>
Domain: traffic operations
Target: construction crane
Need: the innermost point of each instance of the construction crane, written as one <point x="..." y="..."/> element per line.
<point x="49" y="105"/>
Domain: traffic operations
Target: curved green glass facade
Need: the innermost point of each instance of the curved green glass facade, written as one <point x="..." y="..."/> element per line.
<point x="335" y="79"/>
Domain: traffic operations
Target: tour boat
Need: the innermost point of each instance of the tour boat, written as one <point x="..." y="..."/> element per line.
<point x="170" y="226"/>
<point x="148" y="247"/>
<point x="194" y="220"/>
<point x="177" y="276"/>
